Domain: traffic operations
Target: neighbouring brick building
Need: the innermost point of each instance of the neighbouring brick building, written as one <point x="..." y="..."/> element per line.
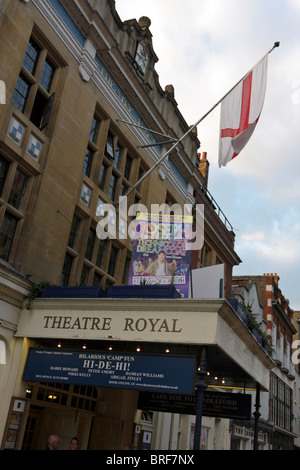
<point x="277" y="323"/>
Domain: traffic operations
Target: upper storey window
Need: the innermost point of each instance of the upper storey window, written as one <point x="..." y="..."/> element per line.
<point x="33" y="94"/>
<point x="14" y="198"/>
<point x="31" y="56"/>
<point x="47" y="75"/>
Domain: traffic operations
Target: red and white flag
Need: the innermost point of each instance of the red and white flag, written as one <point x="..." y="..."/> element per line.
<point x="240" y="112"/>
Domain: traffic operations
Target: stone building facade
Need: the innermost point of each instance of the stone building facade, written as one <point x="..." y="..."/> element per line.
<point x="83" y="120"/>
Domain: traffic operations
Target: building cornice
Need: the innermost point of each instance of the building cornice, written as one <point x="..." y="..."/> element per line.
<point x="14" y="286"/>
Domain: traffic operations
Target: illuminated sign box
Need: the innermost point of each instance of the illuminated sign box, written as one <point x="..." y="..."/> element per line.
<point x="133" y="371"/>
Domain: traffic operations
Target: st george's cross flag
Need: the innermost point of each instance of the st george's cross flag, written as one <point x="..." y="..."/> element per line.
<point x="240" y="112"/>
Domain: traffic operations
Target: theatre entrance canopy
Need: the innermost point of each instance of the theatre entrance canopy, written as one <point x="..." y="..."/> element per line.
<point x="173" y="327"/>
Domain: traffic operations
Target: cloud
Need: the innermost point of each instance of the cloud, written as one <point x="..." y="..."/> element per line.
<point x="278" y="244"/>
<point x="252" y="236"/>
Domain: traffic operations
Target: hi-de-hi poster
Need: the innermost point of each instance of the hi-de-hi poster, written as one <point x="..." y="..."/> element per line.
<point x="159" y="254"/>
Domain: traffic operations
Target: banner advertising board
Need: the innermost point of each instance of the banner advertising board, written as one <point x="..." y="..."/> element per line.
<point x="134" y="371"/>
<point x="159" y="253"/>
<point x="216" y="404"/>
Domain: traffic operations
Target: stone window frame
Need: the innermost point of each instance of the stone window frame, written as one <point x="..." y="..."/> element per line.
<point x="37" y="95"/>
<point x="20" y="206"/>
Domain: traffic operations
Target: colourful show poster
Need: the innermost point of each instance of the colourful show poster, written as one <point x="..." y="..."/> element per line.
<point x="159" y="254"/>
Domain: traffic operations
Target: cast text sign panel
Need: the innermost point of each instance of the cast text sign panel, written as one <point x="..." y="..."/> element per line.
<point x="139" y="372"/>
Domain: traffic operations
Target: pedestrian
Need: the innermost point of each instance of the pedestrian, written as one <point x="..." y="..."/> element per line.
<point x="129" y="447"/>
<point x="74" y="443"/>
<point x="53" y="442"/>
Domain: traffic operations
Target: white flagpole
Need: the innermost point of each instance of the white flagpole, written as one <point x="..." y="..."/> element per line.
<point x="276" y="44"/>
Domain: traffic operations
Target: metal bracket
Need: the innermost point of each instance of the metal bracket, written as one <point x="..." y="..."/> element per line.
<point x="169" y="141"/>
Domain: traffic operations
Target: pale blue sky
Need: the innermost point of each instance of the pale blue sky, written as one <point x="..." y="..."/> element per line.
<point x="204" y="47"/>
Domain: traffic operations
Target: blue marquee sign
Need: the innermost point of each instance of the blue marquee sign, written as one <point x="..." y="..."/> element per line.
<point x="134" y="371"/>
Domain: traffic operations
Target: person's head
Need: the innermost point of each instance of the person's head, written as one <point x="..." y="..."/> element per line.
<point x="129" y="447"/>
<point x="74" y="443"/>
<point x="53" y="442"/>
<point x="161" y="256"/>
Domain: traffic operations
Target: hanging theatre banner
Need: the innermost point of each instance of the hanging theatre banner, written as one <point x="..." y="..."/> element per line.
<point x="159" y="253"/>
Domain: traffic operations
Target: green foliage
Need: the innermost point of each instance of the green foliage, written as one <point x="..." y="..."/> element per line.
<point x="254" y="324"/>
<point x="36" y="291"/>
